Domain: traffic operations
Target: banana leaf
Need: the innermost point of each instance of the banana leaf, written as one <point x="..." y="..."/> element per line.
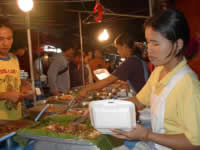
<point x="104" y="142"/>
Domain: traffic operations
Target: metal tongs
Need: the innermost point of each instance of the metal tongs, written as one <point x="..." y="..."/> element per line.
<point x="69" y="106"/>
<point x="81" y="119"/>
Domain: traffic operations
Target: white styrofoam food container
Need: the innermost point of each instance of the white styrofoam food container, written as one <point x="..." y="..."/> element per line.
<point x="112" y="114"/>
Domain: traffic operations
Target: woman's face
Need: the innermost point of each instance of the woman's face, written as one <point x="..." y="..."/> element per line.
<point x="160" y="50"/>
<point x="122" y="50"/>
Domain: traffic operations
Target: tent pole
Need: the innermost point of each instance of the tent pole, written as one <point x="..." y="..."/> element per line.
<point x="151" y="14"/>
<point x="81" y="42"/>
<point x="150" y="8"/>
<point x="30" y="55"/>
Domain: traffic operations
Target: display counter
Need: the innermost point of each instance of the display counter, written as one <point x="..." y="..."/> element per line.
<point x="45" y="139"/>
<point x="8" y="130"/>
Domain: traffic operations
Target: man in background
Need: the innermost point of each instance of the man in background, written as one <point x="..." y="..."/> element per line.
<point x="75" y="69"/>
<point x="97" y="62"/>
<point x="58" y="73"/>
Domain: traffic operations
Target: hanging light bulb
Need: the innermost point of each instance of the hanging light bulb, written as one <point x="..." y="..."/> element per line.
<point x="104" y="35"/>
<point x="25" y="5"/>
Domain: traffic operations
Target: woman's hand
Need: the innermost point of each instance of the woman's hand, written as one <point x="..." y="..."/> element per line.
<point x="25" y="84"/>
<point x="57" y="93"/>
<point x="26" y="89"/>
<point x="138" y="133"/>
<point x="28" y="94"/>
<point x="81" y="94"/>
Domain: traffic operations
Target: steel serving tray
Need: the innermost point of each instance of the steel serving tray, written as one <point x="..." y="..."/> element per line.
<point x="51" y="143"/>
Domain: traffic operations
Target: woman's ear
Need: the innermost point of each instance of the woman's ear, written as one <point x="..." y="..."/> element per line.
<point x="179" y="45"/>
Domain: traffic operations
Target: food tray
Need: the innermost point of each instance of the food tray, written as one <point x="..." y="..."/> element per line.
<point x="50" y="143"/>
<point x="41" y="102"/>
<point x="62" y="98"/>
<point x="8" y="127"/>
<point x="53" y="108"/>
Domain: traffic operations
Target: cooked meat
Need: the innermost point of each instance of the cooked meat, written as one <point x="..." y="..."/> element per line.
<point x="66" y="97"/>
<point x="81" y="130"/>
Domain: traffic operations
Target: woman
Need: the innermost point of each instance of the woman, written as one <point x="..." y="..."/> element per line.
<point x="97" y="63"/>
<point x="172" y="90"/>
<point x="132" y="70"/>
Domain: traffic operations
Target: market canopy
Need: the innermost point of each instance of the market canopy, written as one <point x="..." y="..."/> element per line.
<point x="55" y="19"/>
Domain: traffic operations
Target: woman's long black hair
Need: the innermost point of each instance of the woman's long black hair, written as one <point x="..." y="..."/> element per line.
<point x="172" y="25"/>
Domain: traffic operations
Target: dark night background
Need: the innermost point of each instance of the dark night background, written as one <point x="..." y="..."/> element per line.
<point x="54" y="22"/>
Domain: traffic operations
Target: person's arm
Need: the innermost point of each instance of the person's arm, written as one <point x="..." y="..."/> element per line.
<point x="86" y="74"/>
<point x="36" y="69"/>
<point x="138" y="104"/>
<point x="12" y="96"/>
<point x="177" y="142"/>
<point x="95" y="86"/>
